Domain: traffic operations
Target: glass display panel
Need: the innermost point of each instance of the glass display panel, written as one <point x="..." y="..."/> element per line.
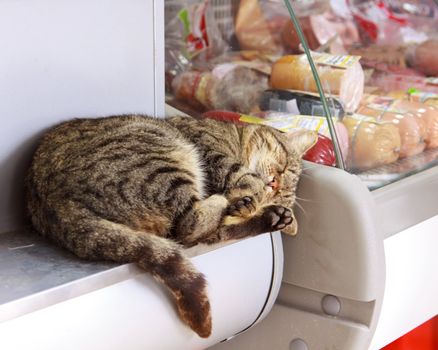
<point x="255" y="61"/>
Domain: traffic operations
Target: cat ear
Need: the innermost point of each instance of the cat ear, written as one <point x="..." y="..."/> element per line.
<point x="302" y="140"/>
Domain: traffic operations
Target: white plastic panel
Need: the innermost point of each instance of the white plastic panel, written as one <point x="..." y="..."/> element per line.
<point x="138" y="314"/>
<point x="411" y="290"/>
<point x="62" y="59"/>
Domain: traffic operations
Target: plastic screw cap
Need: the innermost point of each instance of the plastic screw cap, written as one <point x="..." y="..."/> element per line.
<point x="331" y="305"/>
<point x="298" y="344"/>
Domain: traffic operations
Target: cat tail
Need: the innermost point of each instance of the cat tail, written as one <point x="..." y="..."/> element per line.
<point x="161" y="257"/>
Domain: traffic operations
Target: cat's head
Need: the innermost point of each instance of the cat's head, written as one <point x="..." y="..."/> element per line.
<point x="276" y="157"/>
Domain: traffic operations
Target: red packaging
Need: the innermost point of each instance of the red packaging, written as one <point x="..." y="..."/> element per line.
<point x="322" y="152"/>
<point x="225" y="116"/>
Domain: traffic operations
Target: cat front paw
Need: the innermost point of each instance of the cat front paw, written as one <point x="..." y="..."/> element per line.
<point x="243" y="207"/>
<point x="276" y="217"/>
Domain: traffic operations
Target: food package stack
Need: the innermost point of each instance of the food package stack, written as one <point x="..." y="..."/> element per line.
<point x="411" y="129"/>
<point x="417" y="121"/>
<point x="228" y="86"/>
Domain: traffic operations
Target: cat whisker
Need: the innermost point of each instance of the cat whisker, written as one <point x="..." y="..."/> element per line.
<point x="301" y="207"/>
<point x="304" y="199"/>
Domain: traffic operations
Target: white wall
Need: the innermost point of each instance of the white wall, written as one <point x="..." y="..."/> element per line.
<point x="61" y="59"/>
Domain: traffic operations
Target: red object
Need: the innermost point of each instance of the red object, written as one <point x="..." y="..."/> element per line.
<point x="424" y="337"/>
<point x="391" y="15"/>
<point x="322" y="152"/>
<point x="368" y="26"/>
<point x="199" y="43"/>
<point x="225" y="116"/>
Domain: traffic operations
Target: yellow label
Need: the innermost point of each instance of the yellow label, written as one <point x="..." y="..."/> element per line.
<point x="339" y="61"/>
<point x="251" y="119"/>
<point x="290" y="122"/>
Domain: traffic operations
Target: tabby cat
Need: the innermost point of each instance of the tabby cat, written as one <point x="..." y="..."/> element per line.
<point x="139" y="189"/>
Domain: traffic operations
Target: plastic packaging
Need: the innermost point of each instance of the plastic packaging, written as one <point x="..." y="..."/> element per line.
<point x="411" y="128"/>
<point x="423" y="57"/>
<point x="228" y="86"/>
<point x="372" y="143"/>
<point x="293" y="72"/>
<point x="429" y="116"/>
<point x="388" y="82"/>
<point x="258" y="25"/>
<point x="322" y="152"/>
<point x="426" y="115"/>
<point x="379" y="23"/>
<point x="323" y="32"/>
<point x="297" y="102"/>
<point x="262" y="25"/>
<point x="192" y="34"/>
<point x="427" y="98"/>
<point x="380" y="57"/>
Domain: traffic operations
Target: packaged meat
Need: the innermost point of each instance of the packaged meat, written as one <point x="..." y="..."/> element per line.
<point x="294" y="72"/>
<point x="266" y="25"/>
<point x="423" y="57"/>
<point x="227" y="86"/>
<point x="299" y="102"/>
<point x="389" y="81"/>
<point x="192" y="33"/>
<point x="411" y="128"/>
<point x="375" y="55"/>
<point x="426" y="115"/>
<point x="255" y="30"/>
<point x="427" y="98"/>
<point x="379" y="23"/>
<point x="396" y="95"/>
<point x="318" y="35"/>
<point x="322" y="152"/>
<point x="372" y="143"/>
<point x="185" y="86"/>
<point x="331" y="30"/>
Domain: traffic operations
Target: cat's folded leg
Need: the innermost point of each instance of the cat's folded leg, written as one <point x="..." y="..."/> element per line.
<point x="200" y="224"/>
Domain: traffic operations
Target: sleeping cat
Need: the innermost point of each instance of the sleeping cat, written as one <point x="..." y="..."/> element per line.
<point x="139" y="189"/>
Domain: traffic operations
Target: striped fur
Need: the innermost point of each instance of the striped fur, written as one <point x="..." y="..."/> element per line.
<point x="137" y="189"/>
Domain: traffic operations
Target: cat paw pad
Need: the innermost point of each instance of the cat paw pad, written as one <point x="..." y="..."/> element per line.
<point x="277" y="217"/>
